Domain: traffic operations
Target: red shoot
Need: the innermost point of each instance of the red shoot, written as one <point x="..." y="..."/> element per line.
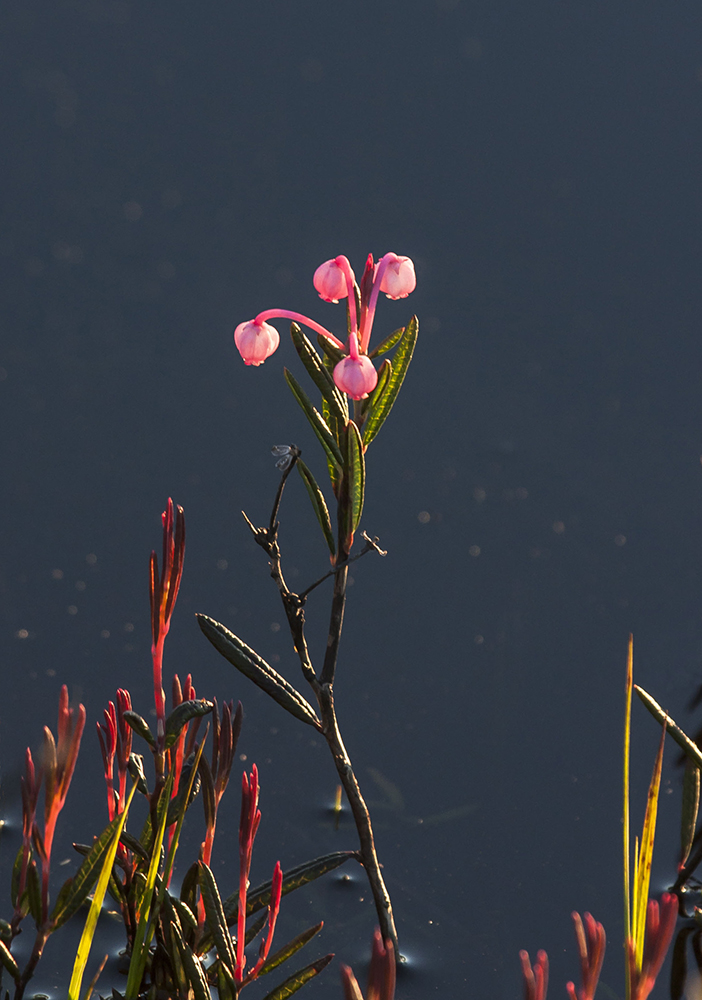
<point x="592" y="941"/>
<point x="248" y="825"/>
<point x="536" y="978"/>
<point x="59" y="764"/>
<point x="660" y="927"/>
<point x="164" y="591"/>
<point x="273" y="911"/>
<point x="381" y="975"/>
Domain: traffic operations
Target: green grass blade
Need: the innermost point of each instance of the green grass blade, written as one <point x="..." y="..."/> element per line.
<point x="86" y="939"/>
<point x="625" y="810"/>
<point x="319" y="504"/>
<point x="319" y="374"/>
<point x="145" y="927"/>
<point x="317" y="421"/>
<point x="645" y="856"/>
<point x="379" y="411"/>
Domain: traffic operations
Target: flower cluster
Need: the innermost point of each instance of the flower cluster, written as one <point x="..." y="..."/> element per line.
<point x="355" y="373"/>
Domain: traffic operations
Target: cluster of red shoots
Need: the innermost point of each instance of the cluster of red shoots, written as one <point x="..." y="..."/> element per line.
<point x="590" y="935"/>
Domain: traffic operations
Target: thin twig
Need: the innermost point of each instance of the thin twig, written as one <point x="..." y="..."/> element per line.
<point x="370" y="546"/>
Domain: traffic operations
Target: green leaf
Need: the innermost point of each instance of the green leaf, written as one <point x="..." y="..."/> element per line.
<point x="334" y="354"/>
<point x="145" y="925"/>
<point x="34" y="892"/>
<point x="192" y="965"/>
<point x="319" y="374"/>
<point x="317" y="421"/>
<point x="75" y="891"/>
<point x="288" y="950"/>
<point x="684" y="742"/>
<point x="298" y="980"/>
<point x="256" y="669"/>
<point x="356" y="473"/>
<point x="139" y="726"/>
<point x="301" y="875"/>
<point x="690" y="809"/>
<point x="188" y="888"/>
<point x="387" y="345"/>
<point x="215" y="917"/>
<point x="260" y="897"/>
<point x="384" y="373"/>
<point x="378" y="412"/>
<point x="8" y="961"/>
<point x="181" y="715"/>
<point x="318" y="503"/>
<point x="86" y="939"/>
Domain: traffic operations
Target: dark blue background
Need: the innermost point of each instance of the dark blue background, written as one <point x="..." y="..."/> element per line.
<point x="170" y="169"/>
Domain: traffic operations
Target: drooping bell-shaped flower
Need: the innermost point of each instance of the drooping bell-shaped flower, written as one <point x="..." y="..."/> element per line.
<point x="331" y="279"/>
<point x="399" y="278"/>
<point x="355" y="374"/>
<point x="256" y="341"/>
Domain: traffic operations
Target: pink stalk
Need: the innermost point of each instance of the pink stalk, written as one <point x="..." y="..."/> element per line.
<point x="345" y="267"/>
<point x="299" y="318"/>
<point x="380" y="269"/>
<point x="248" y="825"/>
<point x="591" y="940"/>
<point x="660" y="927"/>
<point x="164" y="591"/>
<point x="536" y="978"/>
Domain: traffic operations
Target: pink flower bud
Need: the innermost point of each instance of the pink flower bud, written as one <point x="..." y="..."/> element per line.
<point x="256" y="341"/>
<point x="330" y="281"/>
<point x="356" y="376"/>
<point x="399" y="278"/>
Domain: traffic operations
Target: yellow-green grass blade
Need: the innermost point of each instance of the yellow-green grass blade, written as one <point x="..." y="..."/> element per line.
<point x="645" y="857"/>
<point x="625" y="809"/>
<point x="145" y="925"/>
<point x="86" y="939"/>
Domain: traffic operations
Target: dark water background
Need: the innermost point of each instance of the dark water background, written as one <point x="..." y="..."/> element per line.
<point x="171" y="169"/>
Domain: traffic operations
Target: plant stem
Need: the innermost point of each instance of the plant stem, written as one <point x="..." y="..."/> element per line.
<point x="369" y="857"/>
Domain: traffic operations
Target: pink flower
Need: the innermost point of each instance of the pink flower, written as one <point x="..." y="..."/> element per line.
<point x="256" y="341"/>
<point x="355" y="375"/>
<point x="331" y="279"/>
<point x="399" y="278"/>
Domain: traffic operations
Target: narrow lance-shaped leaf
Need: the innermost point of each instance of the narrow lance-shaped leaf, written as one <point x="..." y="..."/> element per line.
<point x="139" y="725"/>
<point x="384" y="373"/>
<point x="319" y="374"/>
<point x="192" y="965"/>
<point x="260" y="897"/>
<point x="215" y="917"/>
<point x="378" y="413"/>
<point x="330" y="350"/>
<point x="183" y="714"/>
<point x="684" y="742"/>
<point x="256" y="669"/>
<point x="298" y="980"/>
<point x="319" y="504"/>
<point x="356" y="476"/>
<point x="289" y="949"/>
<point x="8" y="961"/>
<point x="387" y="345"/>
<point x="75" y="891"/>
<point x="317" y="421"/>
<point x="690" y="809"/>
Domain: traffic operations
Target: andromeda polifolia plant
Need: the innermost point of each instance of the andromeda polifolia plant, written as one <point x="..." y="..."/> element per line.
<point x="354" y="398"/>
